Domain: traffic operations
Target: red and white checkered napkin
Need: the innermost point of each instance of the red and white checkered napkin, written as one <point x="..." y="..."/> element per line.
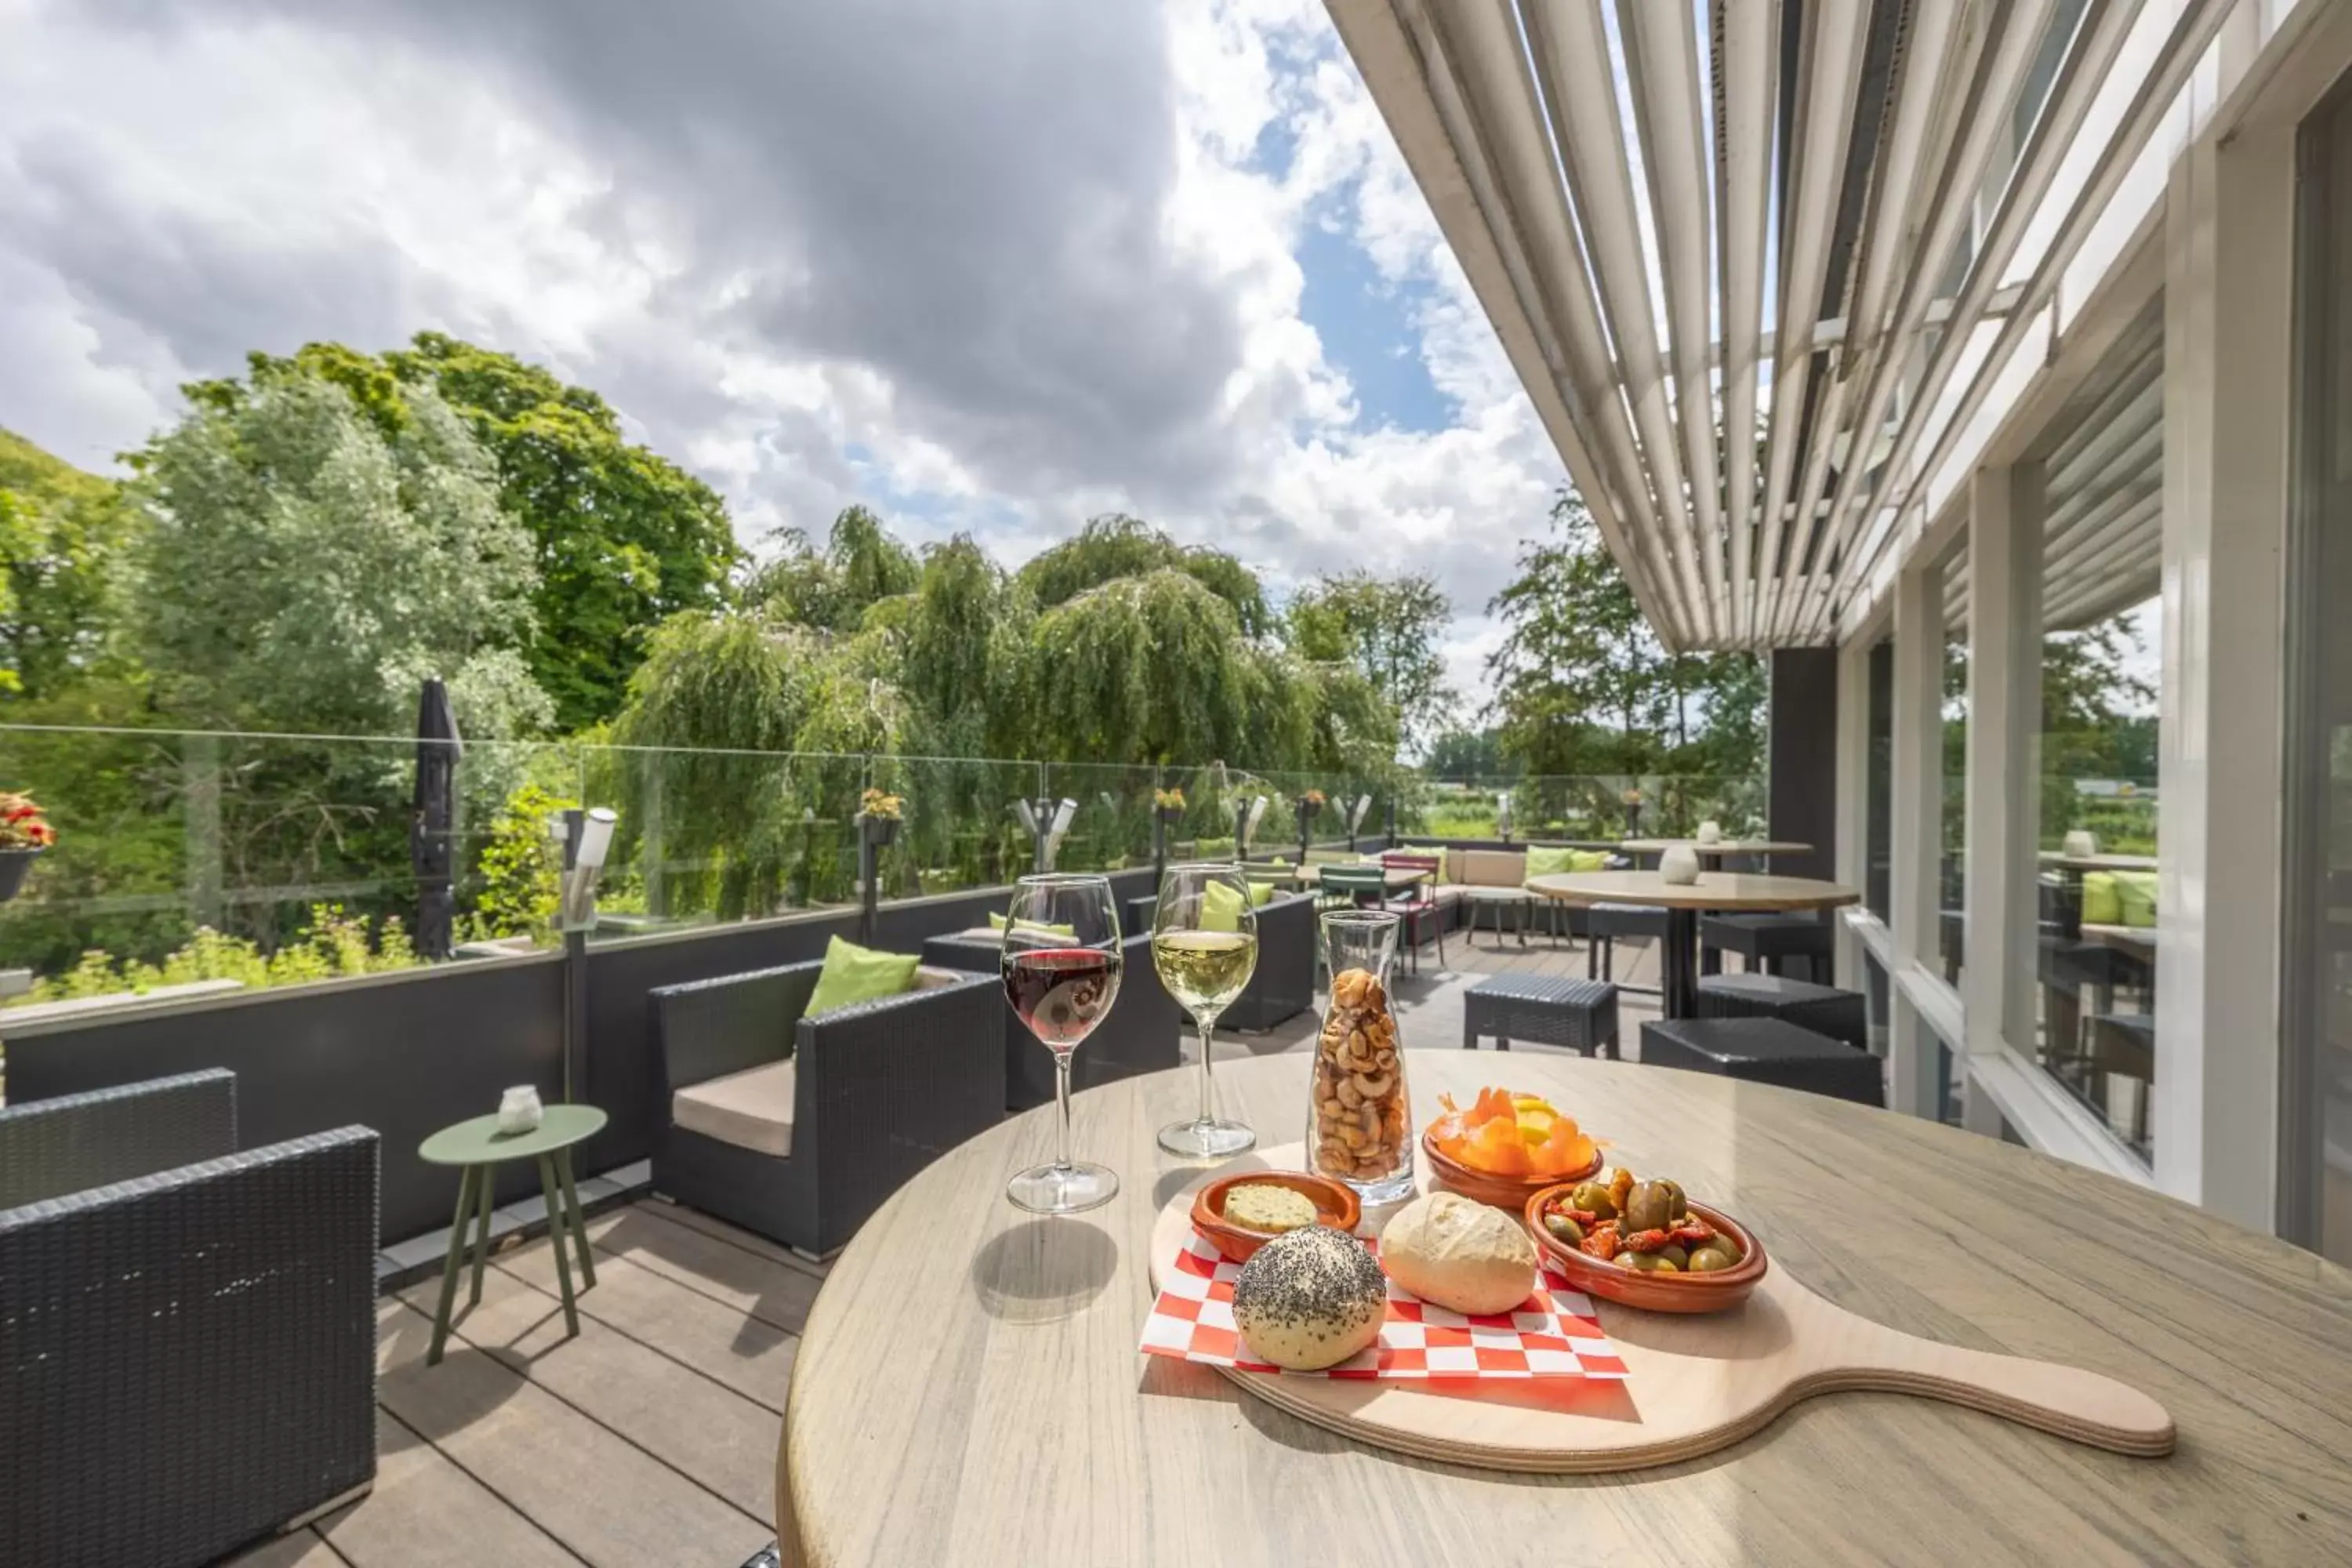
<point x="1553" y="1334"/>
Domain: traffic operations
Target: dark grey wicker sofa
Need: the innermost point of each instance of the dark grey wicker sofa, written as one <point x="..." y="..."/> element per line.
<point x="876" y="1091"/>
<point x="1284" y="986"/>
<point x="187" y="1333"/>
<point x="1139" y="1036"/>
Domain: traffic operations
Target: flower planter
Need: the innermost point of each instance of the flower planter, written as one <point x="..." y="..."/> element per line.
<point x="14" y="865"/>
<point x="879" y="830"/>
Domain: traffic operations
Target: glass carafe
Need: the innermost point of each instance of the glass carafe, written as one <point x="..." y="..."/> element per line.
<point x="1358" y="1121"/>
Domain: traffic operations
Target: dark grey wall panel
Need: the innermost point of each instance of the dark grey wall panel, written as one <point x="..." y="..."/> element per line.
<point x="1803" y="727"/>
<point x="405" y="1054"/>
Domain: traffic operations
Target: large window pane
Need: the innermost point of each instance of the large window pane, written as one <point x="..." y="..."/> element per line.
<point x="1951" y="867"/>
<point x="1878" y="848"/>
<point x="2317" y="1195"/>
<point x="2095" y="830"/>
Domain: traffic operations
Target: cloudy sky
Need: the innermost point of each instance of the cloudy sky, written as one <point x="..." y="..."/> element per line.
<point x="990" y="268"/>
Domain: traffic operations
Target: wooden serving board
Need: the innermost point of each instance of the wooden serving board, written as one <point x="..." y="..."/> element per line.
<point x="1695" y="1384"/>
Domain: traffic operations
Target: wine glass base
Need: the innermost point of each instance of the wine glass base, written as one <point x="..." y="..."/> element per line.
<point x="1207" y="1139"/>
<point x="1063" y="1189"/>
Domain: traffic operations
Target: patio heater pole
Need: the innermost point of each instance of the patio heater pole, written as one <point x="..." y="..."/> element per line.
<point x="587" y="838"/>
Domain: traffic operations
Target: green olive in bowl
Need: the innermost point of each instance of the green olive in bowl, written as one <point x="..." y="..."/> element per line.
<point x="1564" y="1229"/>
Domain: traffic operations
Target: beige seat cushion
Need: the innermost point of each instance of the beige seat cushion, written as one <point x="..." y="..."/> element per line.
<point x="1492" y="867"/>
<point x="752" y="1110"/>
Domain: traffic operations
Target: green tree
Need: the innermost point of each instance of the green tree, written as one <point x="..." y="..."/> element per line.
<point x="861" y="566"/>
<point x="620" y="536"/>
<point x="63" y="533"/>
<point x="1389" y="628"/>
<point x="1469" y="755"/>
<point x="299" y="571"/>
<point x="1115" y="545"/>
<point x="1576" y="676"/>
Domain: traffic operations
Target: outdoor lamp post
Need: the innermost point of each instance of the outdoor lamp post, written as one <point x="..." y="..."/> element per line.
<point x="587" y="840"/>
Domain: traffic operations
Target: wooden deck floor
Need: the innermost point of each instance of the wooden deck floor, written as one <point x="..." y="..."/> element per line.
<point x="650" y="1440"/>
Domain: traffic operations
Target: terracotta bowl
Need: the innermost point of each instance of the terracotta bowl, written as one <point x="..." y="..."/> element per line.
<point x="1651" y="1292"/>
<point x="1336" y="1205"/>
<point x="1497" y="1192"/>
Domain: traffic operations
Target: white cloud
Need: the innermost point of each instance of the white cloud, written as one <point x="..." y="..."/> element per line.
<point x="874" y="252"/>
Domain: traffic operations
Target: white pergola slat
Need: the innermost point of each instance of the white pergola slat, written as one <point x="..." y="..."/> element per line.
<point x="1772" y="254"/>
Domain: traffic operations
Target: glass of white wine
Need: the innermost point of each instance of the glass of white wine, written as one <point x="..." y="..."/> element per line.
<point x="1204" y="946"/>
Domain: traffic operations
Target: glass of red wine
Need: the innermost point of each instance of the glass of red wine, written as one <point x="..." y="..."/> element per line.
<point x="1061" y="967"/>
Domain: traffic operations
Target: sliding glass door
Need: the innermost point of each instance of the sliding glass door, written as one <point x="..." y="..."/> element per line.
<point x="2316" y="1110"/>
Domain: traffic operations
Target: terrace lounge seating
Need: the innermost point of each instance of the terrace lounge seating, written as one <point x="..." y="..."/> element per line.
<point x="1283" y="984"/>
<point x="1841" y="1014"/>
<point x="1766" y="941"/>
<point x="1766" y="1050"/>
<point x="187" y="1333"/>
<point x="799" y="1126"/>
<point x="1142" y="1033"/>
<point x="1580" y="1015"/>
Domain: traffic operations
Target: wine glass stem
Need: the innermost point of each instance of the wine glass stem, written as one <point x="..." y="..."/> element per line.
<point x="1208" y="1105"/>
<point x="1062" y="1100"/>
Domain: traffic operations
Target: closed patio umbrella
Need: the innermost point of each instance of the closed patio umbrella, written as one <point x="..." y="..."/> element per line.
<point x="432" y="819"/>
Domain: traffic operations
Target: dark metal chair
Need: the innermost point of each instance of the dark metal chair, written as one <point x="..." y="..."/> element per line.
<point x="878" y="1090"/>
<point x="1418" y="906"/>
<point x="1142" y="1033"/>
<point x="188" y="1332"/>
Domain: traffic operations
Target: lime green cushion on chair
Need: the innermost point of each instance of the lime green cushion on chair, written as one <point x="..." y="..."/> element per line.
<point x="1545" y="861"/>
<point x="855" y="973"/>
<point x="1588" y="859"/>
<point x="2135" y="898"/>
<point x="1216" y="848"/>
<point x="2102" y="905"/>
<point x="1432" y="851"/>
<point x="996" y="922"/>
<point x="1220" y="904"/>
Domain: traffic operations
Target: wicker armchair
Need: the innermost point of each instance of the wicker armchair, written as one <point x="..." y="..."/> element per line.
<point x="1283" y="984"/>
<point x="1141" y="1034"/>
<point x="187" y="1333"/>
<point x="876" y="1091"/>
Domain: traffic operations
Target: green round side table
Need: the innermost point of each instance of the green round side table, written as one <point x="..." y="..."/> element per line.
<point x="477" y="1146"/>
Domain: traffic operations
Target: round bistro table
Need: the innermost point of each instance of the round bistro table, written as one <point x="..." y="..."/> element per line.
<point x="477" y="1146"/>
<point x="968" y="1389"/>
<point x="1715" y="891"/>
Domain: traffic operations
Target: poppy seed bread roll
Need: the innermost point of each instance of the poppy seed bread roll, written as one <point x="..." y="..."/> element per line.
<point x="1461" y="1255"/>
<point x="1309" y="1298"/>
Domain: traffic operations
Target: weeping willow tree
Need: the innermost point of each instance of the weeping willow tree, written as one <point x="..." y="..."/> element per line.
<point x="1110" y="678"/>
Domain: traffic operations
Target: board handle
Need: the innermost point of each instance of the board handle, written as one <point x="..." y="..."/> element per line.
<point x="2066" y="1401"/>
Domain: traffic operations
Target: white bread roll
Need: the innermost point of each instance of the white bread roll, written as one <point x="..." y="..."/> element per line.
<point x="1459" y="1254"/>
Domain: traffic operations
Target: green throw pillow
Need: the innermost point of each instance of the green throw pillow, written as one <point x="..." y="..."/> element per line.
<point x="1216" y="848"/>
<point x="996" y="922"/>
<point x="1221" y="908"/>
<point x="2102" y="904"/>
<point x="1543" y="860"/>
<point x="1433" y="851"/>
<point x="1262" y="892"/>
<point x="855" y="973"/>
<point x="1588" y="859"/>
<point x="2135" y="896"/>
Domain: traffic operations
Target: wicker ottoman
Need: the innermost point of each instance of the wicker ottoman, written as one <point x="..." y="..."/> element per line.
<point x="1768" y="942"/>
<point x="1580" y="1014"/>
<point x="1824" y="1009"/>
<point x="1765" y="1050"/>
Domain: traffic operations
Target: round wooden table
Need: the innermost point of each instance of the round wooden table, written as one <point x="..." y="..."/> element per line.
<point x="1683" y="901"/>
<point x="968" y="1389"/>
